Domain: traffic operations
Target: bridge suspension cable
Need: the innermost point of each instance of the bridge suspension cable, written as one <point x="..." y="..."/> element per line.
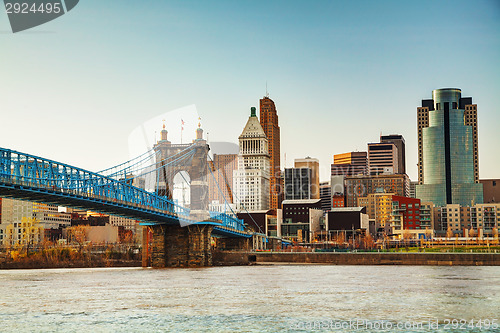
<point x="235" y="196"/>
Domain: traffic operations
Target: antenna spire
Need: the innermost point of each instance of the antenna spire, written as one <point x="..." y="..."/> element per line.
<point x="267" y="93"/>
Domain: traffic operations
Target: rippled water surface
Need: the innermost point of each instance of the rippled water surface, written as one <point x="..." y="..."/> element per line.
<point x="289" y="298"/>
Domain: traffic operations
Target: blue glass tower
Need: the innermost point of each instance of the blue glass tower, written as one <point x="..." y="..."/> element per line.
<point x="448" y="150"/>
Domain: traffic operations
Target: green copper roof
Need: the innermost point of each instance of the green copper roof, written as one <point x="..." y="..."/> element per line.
<point x="253" y="112"/>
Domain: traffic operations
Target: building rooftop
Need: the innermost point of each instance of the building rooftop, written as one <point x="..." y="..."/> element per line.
<point x="347" y="209"/>
<point x="300" y="201"/>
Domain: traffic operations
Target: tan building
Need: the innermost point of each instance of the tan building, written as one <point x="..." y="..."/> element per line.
<point x="362" y="186"/>
<point x="379" y="208"/>
<point x="313" y="164"/>
<point x="482" y="218"/>
<point x="269" y="123"/>
<point x="49" y="216"/>
<point x="491" y="190"/>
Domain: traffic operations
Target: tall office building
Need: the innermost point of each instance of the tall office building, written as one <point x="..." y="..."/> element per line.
<point x="220" y="177"/>
<point x="298" y="183"/>
<point x="269" y="123"/>
<point x="399" y="142"/>
<point x="447" y="150"/>
<point x="350" y="164"/>
<point x="313" y="164"/>
<point x="251" y="179"/>
<point x="325" y="193"/>
<point x="382" y="158"/>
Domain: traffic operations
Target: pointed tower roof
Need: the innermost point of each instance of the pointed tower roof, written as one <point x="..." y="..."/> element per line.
<point x="253" y="129"/>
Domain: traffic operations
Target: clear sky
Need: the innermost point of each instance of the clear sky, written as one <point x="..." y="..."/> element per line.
<point x="340" y="72"/>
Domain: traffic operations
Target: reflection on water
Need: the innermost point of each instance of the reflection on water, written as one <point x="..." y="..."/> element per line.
<point x="250" y="298"/>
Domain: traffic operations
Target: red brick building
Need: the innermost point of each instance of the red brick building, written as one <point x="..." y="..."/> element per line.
<point x="269" y="123"/>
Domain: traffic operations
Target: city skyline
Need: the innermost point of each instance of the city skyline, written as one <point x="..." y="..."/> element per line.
<point x="351" y="71"/>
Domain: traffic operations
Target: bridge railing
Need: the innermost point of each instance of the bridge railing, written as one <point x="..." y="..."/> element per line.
<point x="32" y="171"/>
<point x="228" y="220"/>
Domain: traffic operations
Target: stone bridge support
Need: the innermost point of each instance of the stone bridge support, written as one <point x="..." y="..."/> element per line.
<point x="234" y="244"/>
<point x="176" y="246"/>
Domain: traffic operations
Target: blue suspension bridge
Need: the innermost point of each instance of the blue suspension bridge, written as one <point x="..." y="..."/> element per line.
<point x="139" y="189"/>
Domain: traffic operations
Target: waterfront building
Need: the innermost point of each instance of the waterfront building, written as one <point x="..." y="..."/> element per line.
<point x="481" y="219"/>
<point x="220" y="177"/>
<point x="491" y="190"/>
<point x="362" y="186"/>
<point x="24" y="222"/>
<point x="350" y="164"/>
<point x="49" y="216"/>
<point x="325" y="194"/>
<point x="269" y="123"/>
<point x="448" y="150"/>
<point x="399" y="141"/>
<point x="379" y="208"/>
<point x="313" y="164"/>
<point x="346" y="218"/>
<point x="382" y="158"/>
<point x="127" y="224"/>
<point x="302" y="220"/>
<point x="251" y="179"/>
<point x="298" y="183"/>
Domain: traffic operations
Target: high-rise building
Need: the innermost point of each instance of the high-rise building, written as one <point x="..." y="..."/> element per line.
<point x="399" y="142"/>
<point x="220" y="177"/>
<point x="350" y="164"/>
<point x="298" y="183"/>
<point x="269" y="123"/>
<point x="325" y="194"/>
<point x="251" y="179"/>
<point x="447" y="148"/>
<point x="382" y="158"/>
<point x="313" y="164"/>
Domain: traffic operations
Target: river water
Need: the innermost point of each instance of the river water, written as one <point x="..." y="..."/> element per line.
<point x="286" y="298"/>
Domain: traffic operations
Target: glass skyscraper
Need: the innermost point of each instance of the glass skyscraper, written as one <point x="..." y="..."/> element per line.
<point x="448" y="159"/>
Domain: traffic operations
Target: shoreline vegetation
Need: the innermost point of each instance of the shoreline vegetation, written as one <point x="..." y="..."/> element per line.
<point x="70" y="257"/>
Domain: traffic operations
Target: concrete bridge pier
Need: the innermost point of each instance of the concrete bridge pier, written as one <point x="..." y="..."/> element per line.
<point x="176" y="246"/>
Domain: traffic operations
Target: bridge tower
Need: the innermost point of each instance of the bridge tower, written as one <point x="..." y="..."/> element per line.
<point x="181" y="245"/>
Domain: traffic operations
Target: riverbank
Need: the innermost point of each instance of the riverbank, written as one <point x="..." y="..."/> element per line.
<point x="359" y="258"/>
<point x="68" y="258"/>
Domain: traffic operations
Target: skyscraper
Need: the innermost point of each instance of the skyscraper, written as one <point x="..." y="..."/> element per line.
<point x="313" y="164"/>
<point x="350" y="164"/>
<point x="297" y="183"/>
<point x="251" y="179"/>
<point x="269" y="123"/>
<point x="382" y="158"/>
<point x="399" y="142"/>
<point x="447" y="148"/>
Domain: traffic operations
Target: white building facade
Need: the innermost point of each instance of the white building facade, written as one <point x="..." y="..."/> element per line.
<point x="251" y="179"/>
